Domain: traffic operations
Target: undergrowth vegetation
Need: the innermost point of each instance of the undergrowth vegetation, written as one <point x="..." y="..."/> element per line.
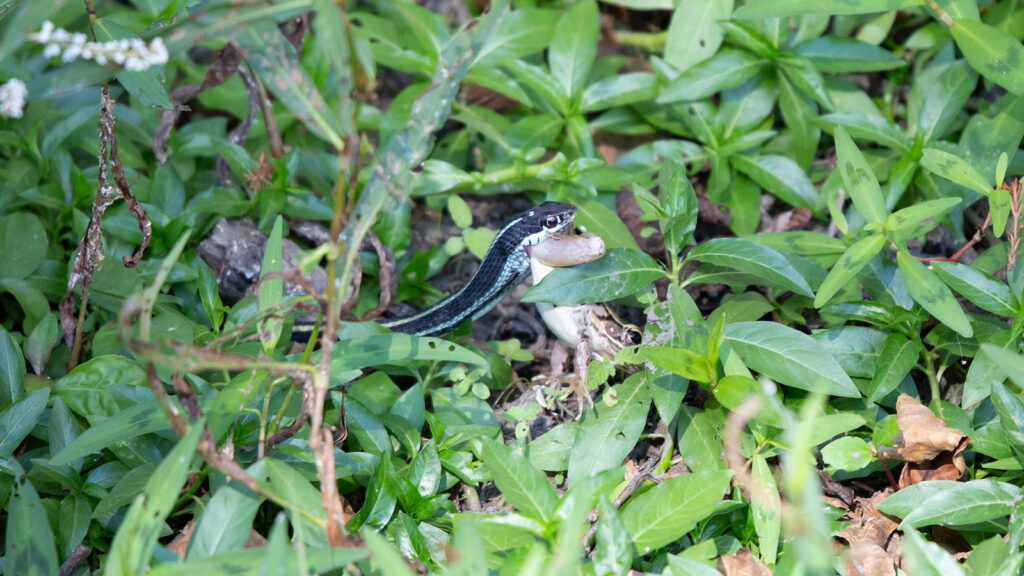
<point x="812" y="208"/>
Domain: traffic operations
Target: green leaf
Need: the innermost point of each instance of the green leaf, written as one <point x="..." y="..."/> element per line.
<point x="934" y="296"/>
<point x="766" y="505"/>
<point x="1012" y="362"/>
<point x="143" y="418"/>
<point x="618" y="274"/>
<point x="357" y="353"/>
<point x="781" y="8"/>
<point x="831" y="425"/>
<point x="993" y="557"/>
<point x="278" y="557"/>
<point x="226" y="520"/>
<point x="848" y="453"/>
<point x="981" y="289"/>
<point x="676" y="206"/>
<point x="550" y="451"/>
<point x="964" y="503"/>
<point x="613" y="554"/>
<point x="604" y="222"/>
<point x="606" y="434"/>
<point x="19" y="419"/>
<point x="297" y="494"/>
<point x="849" y="264"/>
<point x="366" y="428"/>
<point x="619" y="90"/>
<point x="999" y="208"/>
<point x="897" y="358"/>
<point x="385" y="557"/>
<point x="861" y="183"/>
<point x="799" y="113"/>
<point x="752" y="258"/>
<point x="732" y="390"/>
<point x="869" y="127"/>
<point x="790" y="357"/>
<point x="991" y="51"/>
<point x="41" y="341"/>
<point x="986" y="370"/>
<point x="693" y="32"/>
<point x="29" y="546"/>
<point x="209" y="294"/>
<point x="135" y="539"/>
<point x="937" y="97"/>
<point x="700" y="439"/>
<point x="273" y="58"/>
<point x="992" y="133"/>
<point x="806" y="77"/>
<point x="780" y="176"/>
<point x="749" y="37"/>
<point x="688" y="567"/>
<point x="953" y="168"/>
<point x="12" y="370"/>
<point x="23" y="245"/>
<point x="271" y="292"/>
<point x="145" y="85"/>
<point x="581" y="498"/>
<point x="925" y="558"/>
<point x="838" y="55"/>
<point x="919" y="218"/>
<point x="523" y="485"/>
<point x="906" y="500"/>
<point x="541" y="82"/>
<point x="520" y="33"/>
<point x="669" y="510"/>
<point x="1010" y="408"/>
<point x="727" y="69"/>
<point x="574" y="48"/>
<point x="855" y="348"/>
<point x="686" y="363"/>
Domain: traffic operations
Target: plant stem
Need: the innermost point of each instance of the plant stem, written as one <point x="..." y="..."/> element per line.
<point x="512" y="173"/>
<point x="946" y="18"/>
<point x="650" y="41"/>
<point x="929" y="371"/>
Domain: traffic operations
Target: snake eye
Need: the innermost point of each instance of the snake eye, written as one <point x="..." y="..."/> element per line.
<point x="634" y="336"/>
<point x="551" y="222"/>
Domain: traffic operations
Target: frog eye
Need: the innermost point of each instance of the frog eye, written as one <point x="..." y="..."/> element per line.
<point x="634" y="336"/>
<point x="551" y="221"/>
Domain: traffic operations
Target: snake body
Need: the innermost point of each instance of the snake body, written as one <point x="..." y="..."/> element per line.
<point x="505" y="265"/>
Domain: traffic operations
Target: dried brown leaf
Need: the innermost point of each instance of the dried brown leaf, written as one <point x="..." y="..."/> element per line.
<point x="219" y="72"/>
<point x="742" y="564"/>
<point x="869" y="559"/>
<point x="90" y="249"/>
<point x="873" y="549"/>
<point x="932" y="450"/>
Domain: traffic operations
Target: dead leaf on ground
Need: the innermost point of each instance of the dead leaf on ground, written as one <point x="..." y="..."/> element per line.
<point x="742" y="564"/>
<point x="951" y="541"/>
<point x="932" y="450"/>
<point x="874" y="550"/>
<point x="180" y="543"/>
<point x="869" y="559"/>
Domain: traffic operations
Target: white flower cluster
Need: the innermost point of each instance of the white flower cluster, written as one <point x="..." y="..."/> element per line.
<point x="133" y="54"/>
<point x="12" y="98"/>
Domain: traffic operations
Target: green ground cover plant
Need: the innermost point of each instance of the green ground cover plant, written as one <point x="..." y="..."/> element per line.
<point x="813" y="210"/>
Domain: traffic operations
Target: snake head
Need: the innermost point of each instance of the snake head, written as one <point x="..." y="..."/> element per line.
<point x="549" y="220"/>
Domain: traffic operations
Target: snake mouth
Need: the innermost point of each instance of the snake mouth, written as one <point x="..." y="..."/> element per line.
<point x="566" y="229"/>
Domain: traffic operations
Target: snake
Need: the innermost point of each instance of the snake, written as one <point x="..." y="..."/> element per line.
<point x="505" y="264"/>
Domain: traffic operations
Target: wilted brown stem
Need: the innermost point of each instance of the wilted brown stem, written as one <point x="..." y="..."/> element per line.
<point x="71" y="563"/>
<point x="207" y="448"/>
<point x="1014" y="232"/>
<point x="331" y="500"/>
<point x="978" y="235"/>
